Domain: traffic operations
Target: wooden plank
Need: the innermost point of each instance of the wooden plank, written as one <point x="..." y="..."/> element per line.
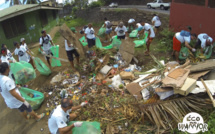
<point x="197" y="75"/>
<point x="188" y="86"/>
<point x="208" y="91"/>
<point x="203" y="66"/>
<point x="126" y="49"/>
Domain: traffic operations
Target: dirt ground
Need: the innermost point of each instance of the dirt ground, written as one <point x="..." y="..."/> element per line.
<point x="11" y="120"/>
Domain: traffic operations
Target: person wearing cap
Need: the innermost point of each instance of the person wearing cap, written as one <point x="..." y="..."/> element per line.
<point x="108" y="27"/>
<point x="131" y="23"/>
<point x="70" y="50"/>
<point x="156" y="23"/>
<point x="151" y="35"/>
<point x="203" y="41"/>
<point x="9" y="54"/>
<point x="90" y="36"/>
<point x="179" y="38"/>
<point x="44" y="41"/>
<point x="139" y="27"/>
<point x="61" y="115"/>
<point x="121" y="31"/>
<point x="23" y="54"/>
<point x="23" y="44"/>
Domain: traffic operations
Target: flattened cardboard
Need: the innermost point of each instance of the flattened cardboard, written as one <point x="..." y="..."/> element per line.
<point x="133" y="88"/>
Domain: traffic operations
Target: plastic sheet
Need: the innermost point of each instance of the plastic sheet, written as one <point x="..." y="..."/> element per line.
<point x="55" y="51"/>
<point x="41" y="67"/>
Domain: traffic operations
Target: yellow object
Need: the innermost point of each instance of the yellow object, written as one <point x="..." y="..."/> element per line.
<point x="47" y="113"/>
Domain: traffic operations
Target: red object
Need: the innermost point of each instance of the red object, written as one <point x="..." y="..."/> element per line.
<point x="200" y="18"/>
<point x="3" y="51"/>
<point x="86" y="101"/>
<point x="176" y="44"/>
<point x="103" y="82"/>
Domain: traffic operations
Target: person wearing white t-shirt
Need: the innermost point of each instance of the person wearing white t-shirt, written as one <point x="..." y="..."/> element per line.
<point x="131" y="23"/>
<point x="139" y="27"/>
<point x="156" y="22"/>
<point x="151" y="35"/>
<point x="44" y="41"/>
<point x="23" y="44"/>
<point x="203" y="41"/>
<point x="22" y="53"/>
<point x="12" y="96"/>
<point x="9" y="54"/>
<point x="70" y="50"/>
<point x="179" y="38"/>
<point x="60" y="116"/>
<point x="121" y="31"/>
<point x="90" y="36"/>
<point x="108" y="26"/>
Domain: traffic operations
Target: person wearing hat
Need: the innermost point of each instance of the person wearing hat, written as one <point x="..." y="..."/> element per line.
<point x="121" y="31"/>
<point x="108" y="26"/>
<point x="23" y="44"/>
<point x="90" y="36"/>
<point x="61" y="115"/>
<point x="131" y="23"/>
<point x="23" y="54"/>
<point x="9" y="54"/>
<point x="44" y="41"/>
<point x="156" y="22"/>
<point x="151" y="35"/>
<point x="203" y="41"/>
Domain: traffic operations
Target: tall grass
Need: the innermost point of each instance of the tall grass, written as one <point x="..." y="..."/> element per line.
<point x="76" y="22"/>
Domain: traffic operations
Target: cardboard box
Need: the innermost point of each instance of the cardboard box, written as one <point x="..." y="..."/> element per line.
<point x="188" y="86"/>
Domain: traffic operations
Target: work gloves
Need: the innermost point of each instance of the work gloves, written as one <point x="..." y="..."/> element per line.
<point x="26" y="104"/>
<point x="83" y="104"/>
<point x="78" y="124"/>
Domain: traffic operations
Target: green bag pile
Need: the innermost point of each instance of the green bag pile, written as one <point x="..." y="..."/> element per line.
<point x="101" y="32"/>
<point x="133" y="34"/>
<point x="207" y="52"/>
<point x="116" y="42"/>
<point x="83" y="41"/>
<point x="23" y="72"/>
<point x="86" y="128"/>
<point x="55" y="51"/>
<point x="184" y="53"/>
<point x="139" y="43"/>
<point x="41" y="67"/>
<point x="33" y="97"/>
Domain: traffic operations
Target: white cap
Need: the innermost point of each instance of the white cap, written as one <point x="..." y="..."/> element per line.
<point x="22" y="39"/>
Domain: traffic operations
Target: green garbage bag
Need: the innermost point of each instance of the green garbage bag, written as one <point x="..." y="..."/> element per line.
<point x="207" y="52"/>
<point x="139" y="43"/>
<point x="184" y="53"/>
<point x="116" y="42"/>
<point x="86" y="128"/>
<point x="98" y="43"/>
<point x="55" y="51"/>
<point x="108" y="47"/>
<point x="73" y="29"/>
<point x="133" y="34"/>
<point x="83" y="41"/>
<point x="23" y="72"/>
<point x="33" y="97"/>
<point x="41" y="67"/>
<point x="101" y="32"/>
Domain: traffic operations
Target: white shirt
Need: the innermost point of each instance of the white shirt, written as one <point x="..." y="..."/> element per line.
<point x="58" y="119"/>
<point x="46" y="44"/>
<point x="90" y="33"/>
<point x="26" y="47"/>
<point x="6" y="85"/>
<point x="203" y="38"/>
<point x="139" y="25"/>
<point x="67" y="47"/>
<point x="157" y="21"/>
<point x="106" y="23"/>
<point x="5" y="59"/>
<point x="182" y="39"/>
<point x="131" y="21"/>
<point x="21" y="52"/>
<point x="148" y="27"/>
<point x="121" y="31"/>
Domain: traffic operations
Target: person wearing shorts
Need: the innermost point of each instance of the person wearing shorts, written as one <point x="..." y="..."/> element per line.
<point x="90" y="36"/>
<point x="203" y="41"/>
<point x="121" y="31"/>
<point x="151" y="35"/>
<point x="44" y="41"/>
<point x="108" y="30"/>
<point x="180" y="38"/>
<point x="156" y="23"/>
<point x="70" y="50"/>
<point x="12" y="95"/>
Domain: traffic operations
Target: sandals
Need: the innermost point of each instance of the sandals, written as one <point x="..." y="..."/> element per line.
<point x="42" y="115"/>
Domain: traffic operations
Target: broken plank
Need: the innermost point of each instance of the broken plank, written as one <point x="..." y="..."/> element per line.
<point x="188" y="86"/>
<point x="197" y="75"/>
<point x="209" y="93"/>
<point x="203" y="66"/>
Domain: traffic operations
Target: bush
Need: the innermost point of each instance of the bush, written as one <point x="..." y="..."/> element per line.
<point x="166" y="40"/>
<point x="95" y="4"/>
<point x="76" y="22"/>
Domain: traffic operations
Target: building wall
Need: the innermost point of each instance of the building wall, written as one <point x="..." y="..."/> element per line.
<point x="200" y="18"/>
<point x="34" y="28"/>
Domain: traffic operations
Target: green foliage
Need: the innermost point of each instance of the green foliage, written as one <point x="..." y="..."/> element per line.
<point x="211" y="122"/>
<point x="76" y="22"/>
<point x="95" y="4"/>
<point x="165" y="43"/>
